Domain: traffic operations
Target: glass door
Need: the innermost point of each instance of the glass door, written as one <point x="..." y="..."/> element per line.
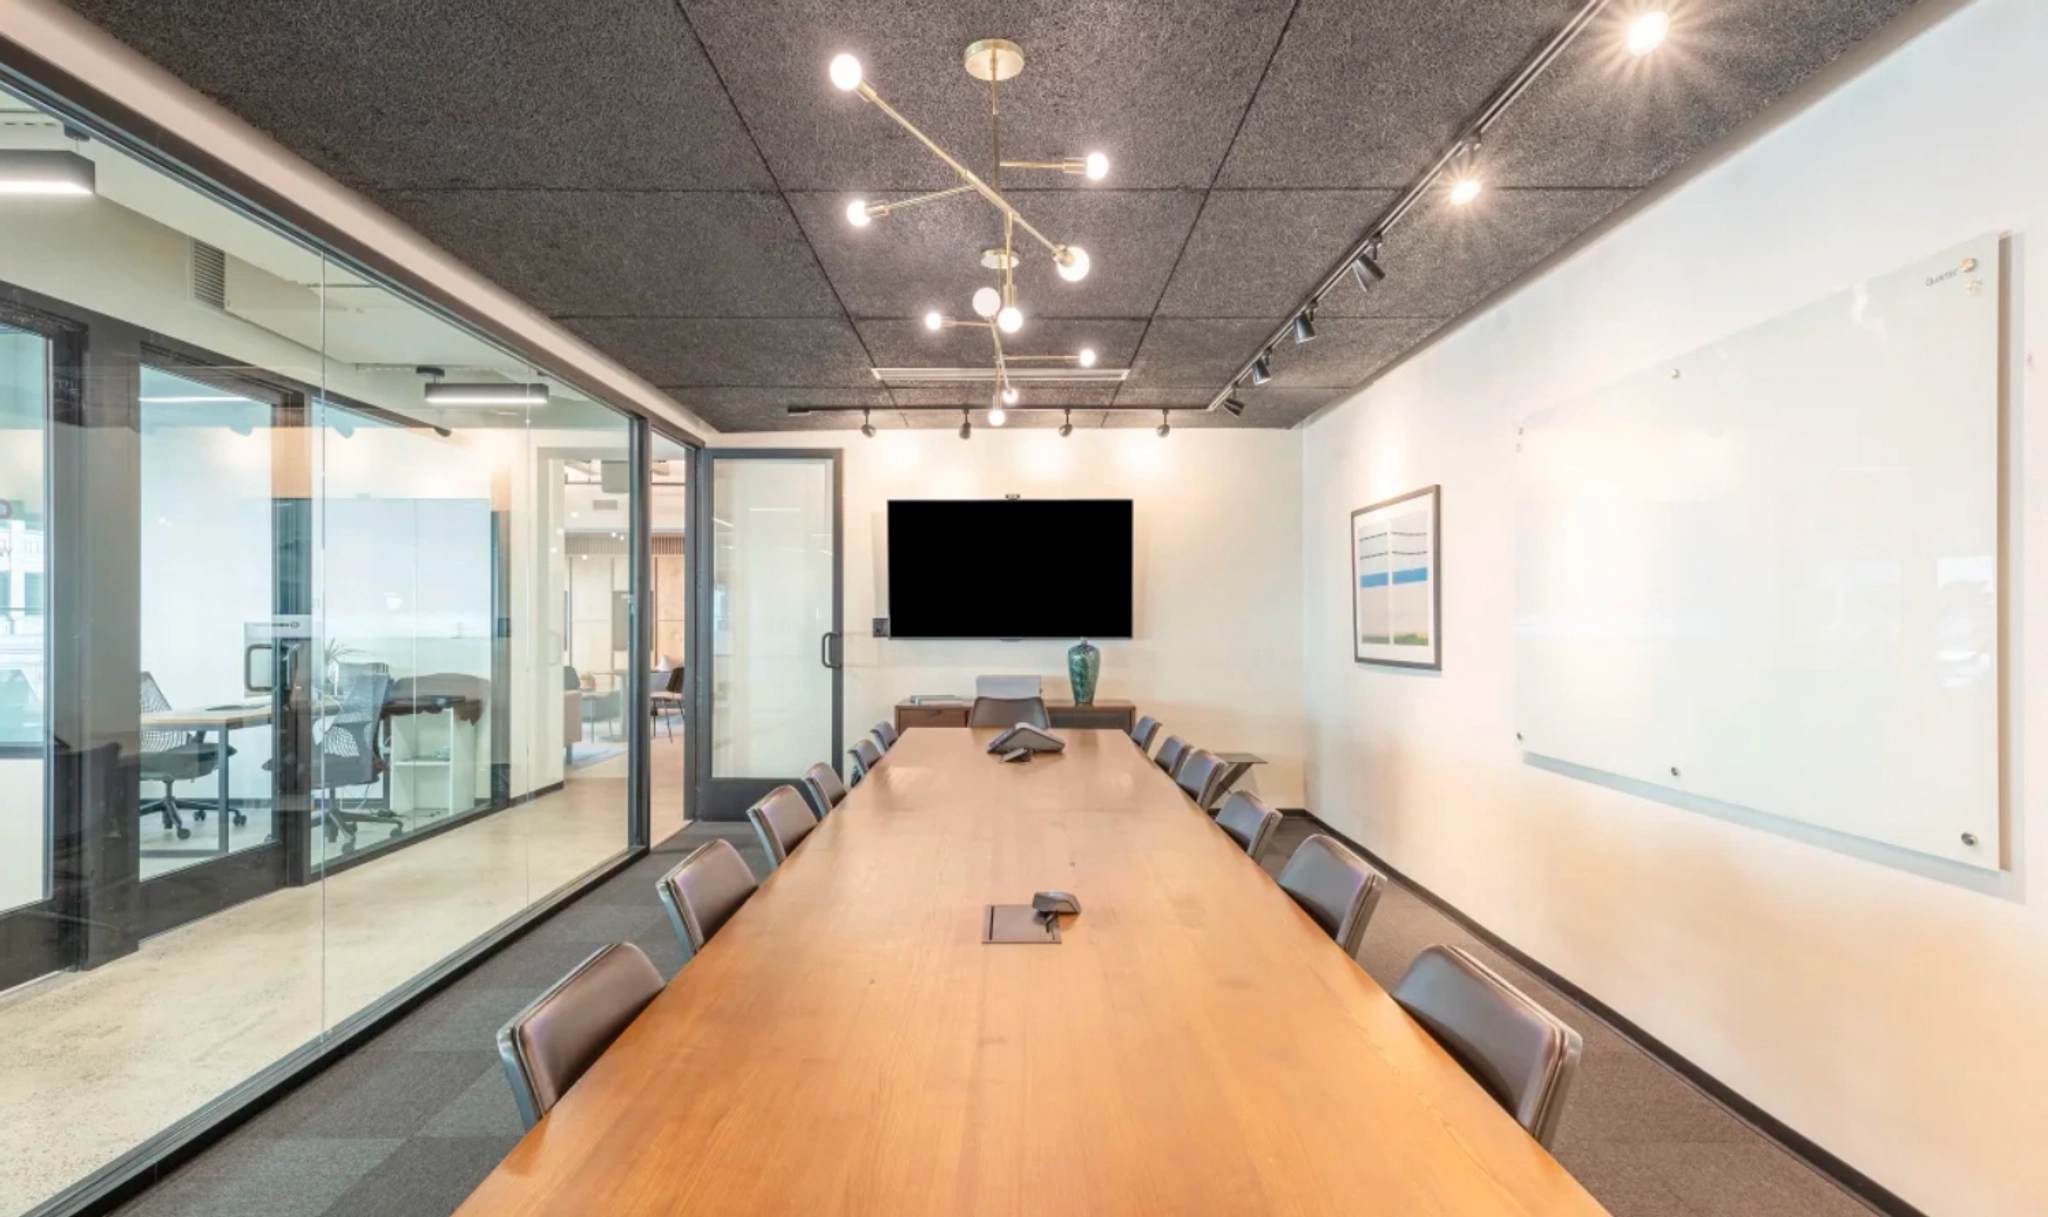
<point x="26" y="830"/>
<point x="768" y="592"/>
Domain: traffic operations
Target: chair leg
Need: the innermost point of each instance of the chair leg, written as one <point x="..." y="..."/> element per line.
<point x="170" y="813"/>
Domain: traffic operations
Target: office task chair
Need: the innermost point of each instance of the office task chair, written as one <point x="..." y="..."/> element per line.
<point x="665" y="710"/>
<point x="1522" y="1054"/>
<point x="782" y="820"/>
<point x="177" y="756"/>
<point x="1247" y="820"/>
<point x="552" y="1042"/>
<point x="1335" y="887"/>
<point x="350" y="752"/>
<point x="703" y="892"/>
<point x="866" y="755"/>
<point x="1201" y="775"/>
<point x="1171" y="754"/>
<point x="885" y="734"/>
<point x="824" y="788"/>
<point x="1008" y="712"/>
<point x="1143" y="732"/>
<point x="572" y="713"/>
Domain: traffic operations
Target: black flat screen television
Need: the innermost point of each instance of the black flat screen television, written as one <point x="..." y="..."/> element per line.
<point x="1000" y="568"/>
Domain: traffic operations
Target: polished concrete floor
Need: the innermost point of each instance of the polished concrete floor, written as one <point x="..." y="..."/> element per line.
<point x="408" y="1126"/>
<point x="96" y="1062"/>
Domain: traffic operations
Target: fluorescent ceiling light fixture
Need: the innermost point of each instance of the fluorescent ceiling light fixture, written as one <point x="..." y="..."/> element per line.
<point x="446" y="393"/>
<point x="1019" y="374"/>
<point x="46" y="172"/>
<point x="194" y="400"/>
<point x="1646" y="33"/>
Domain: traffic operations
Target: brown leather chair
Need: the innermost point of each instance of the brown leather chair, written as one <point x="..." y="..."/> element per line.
<point x="824" y="788"/>
<point x="1008" y="712"/>
<point x="1247" y="820"/>
<point x="1523" y="1055"/>
<point x="1201" y="775"/>
<point x="1171" y="754"/>
<point x="782" y="820"/>
<point x="885" y="734"/>
<point x="1335" y="887"/>
<point x="1143" y="732"/>
<point x="550" y="1044"/>
<point x="865" y="754"/>
<point x="703" y="892"/>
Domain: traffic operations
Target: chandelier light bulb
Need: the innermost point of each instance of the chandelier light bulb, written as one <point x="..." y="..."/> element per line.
<point x="857" y="214"/>
<point x="1464" y="190"/>
<point x="1009" y="320"/>
<point x="1009" y="395"/>
<point x="1097" y="165"/>
<point x="932" y="320"/>
<point x="1087" y="357"/>
<point x="1072" y="262"/>
<point x="996" y="417"/>
<point x="1646" y="33"/>
<point x="845" y="73"/>
<point x="986" y="301"/>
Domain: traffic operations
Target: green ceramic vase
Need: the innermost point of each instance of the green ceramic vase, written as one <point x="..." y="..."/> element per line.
<point x="1084" y="664"/>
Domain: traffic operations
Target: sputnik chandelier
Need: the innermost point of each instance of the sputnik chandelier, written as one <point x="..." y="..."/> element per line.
<point x="992" y="60"/>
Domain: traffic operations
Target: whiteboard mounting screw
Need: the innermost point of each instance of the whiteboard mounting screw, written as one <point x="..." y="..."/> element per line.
<point x="1518" y="737"/>
<point x="1969" y="838"/>
<point x="1969" y="264"/>
<point x="1674" y="771"/>
<point x="1674" y="373"/>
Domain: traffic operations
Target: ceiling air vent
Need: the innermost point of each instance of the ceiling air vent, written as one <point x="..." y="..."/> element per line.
<point x="209" y="275"/>
<point x="604" y="504"/>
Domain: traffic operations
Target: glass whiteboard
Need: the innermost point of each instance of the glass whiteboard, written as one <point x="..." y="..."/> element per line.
<point x="1767" y="572"/>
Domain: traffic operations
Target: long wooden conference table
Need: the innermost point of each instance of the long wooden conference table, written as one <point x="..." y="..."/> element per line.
<point x="847" y="1044"/>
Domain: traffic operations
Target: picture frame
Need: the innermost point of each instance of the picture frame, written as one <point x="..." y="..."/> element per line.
<point x="1397" y="581"/>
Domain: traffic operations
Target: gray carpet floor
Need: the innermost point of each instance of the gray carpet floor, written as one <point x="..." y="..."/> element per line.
<point x="410" y="1124"/>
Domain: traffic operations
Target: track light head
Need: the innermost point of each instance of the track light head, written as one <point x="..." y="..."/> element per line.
<point x="1067" y="427"/>
<point x="966" y="425"/>
<point x="1262" y="368"/>
<point x="1165" y="425"/>
<point x="867" y="428"/>
<point x="1367" y="272"/>
<point x="1304" y="326"/>
<point x="1232" y="406"/>
<point x="845" y="72"/>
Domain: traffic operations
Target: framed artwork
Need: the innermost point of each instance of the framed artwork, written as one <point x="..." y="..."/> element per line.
<point x="1396" y="582"/>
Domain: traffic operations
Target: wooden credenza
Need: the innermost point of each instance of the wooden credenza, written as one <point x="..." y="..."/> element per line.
<point x="1103" y="712"/>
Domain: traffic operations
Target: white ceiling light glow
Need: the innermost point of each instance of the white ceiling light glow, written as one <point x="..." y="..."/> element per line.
<point x="846" y="73"/>
<point x="1009" y="320"/>
<point x="987" y="302"/>
<point x="1086" y="358"/>
<point x="1648" y="31"/>
<point x="46" y="172"/>
<point x="857" y="214"/>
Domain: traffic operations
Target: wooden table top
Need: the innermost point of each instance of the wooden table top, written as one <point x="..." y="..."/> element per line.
<point x="846" y="1044"/>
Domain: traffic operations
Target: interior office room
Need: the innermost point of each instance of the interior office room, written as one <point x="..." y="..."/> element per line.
<point x="1313" y="606"/>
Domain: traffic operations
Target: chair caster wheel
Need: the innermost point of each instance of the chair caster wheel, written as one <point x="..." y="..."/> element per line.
<point x="183" y="832"/>
<point x="241" y="820"/>
<point x="199" y="813"/>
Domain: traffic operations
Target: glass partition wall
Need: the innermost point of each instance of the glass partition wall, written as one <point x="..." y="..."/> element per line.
<point x="320" y="660"/>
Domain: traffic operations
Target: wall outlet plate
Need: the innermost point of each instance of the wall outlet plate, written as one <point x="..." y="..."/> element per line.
<point x="881" y="627"/>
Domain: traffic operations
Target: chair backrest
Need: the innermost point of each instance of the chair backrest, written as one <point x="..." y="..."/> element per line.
<point x="1334" y="886"/>
<point x="1144" y="731"/>
<point x="782" y="820"/>
<point x="675" y="681"/>
<point x="550" y="1044"/>
<point x="865" y="754"/>
<point x="823" y="787"/>
<point x="154" y="701"/>
<point x="1008" y="712"/>
<point x="1201" y="773"/>
<point x="1171" y="754"/>
<point x="1247" y="820"/>
<point x="885" y="734"/>
<point x="1522" y="1054"/>
<point x="703" y="892"/>
<point x="351" y="751"/>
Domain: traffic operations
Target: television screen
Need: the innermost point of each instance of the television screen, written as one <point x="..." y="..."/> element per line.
<point x="1045" y="568"/>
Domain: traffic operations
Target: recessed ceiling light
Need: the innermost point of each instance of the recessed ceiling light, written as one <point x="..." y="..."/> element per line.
<point x="445" y="393"/>
<point x="1647" y="32"/>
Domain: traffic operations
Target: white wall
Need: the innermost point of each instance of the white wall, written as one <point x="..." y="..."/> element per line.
<point x="1217" y="657"/>
<point x="1893" y="1010"/>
